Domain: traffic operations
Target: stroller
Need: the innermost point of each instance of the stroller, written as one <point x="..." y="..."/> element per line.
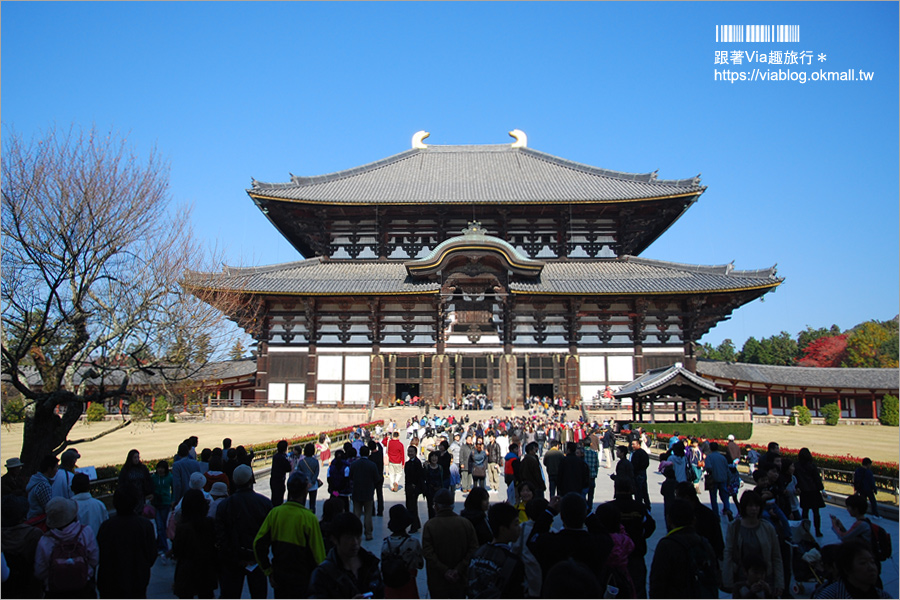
<point x="806" y="561"/>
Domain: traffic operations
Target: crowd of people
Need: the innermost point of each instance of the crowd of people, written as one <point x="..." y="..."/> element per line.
<point x="529" y="525"/>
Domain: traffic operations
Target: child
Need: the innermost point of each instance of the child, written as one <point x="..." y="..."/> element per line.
<point x="752" y="458"/>
<point x="755" y="586"/>
<point x="408" y="549"/>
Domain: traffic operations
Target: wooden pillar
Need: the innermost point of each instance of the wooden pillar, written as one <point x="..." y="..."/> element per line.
<point x="652" y="412"/>
<point x="262" y="370"/>
<point x="734" y="391"/>
<point x="312" y="375"/>
<point x="507" y="379"/>
<point x="573" y="379"/>
<point x="376" y="378"/>
<point x="840" y="410"/>
<point x="457" y="382"/>
<point x="874" y="406"/>
<point x="803" y="399"/>
<point x="769" y="401"/>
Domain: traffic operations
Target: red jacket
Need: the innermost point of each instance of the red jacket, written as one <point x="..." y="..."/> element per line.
<point x="395" y="452"/>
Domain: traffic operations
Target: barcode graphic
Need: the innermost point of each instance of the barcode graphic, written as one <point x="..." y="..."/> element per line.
<point x="757" y="33"/>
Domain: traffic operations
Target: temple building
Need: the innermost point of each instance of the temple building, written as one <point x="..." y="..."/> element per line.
<point x="444" y="271"/>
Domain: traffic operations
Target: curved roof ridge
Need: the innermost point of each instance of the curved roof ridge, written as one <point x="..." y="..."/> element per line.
<point x="297" y="180"/>
<point x="650" y="178"/>
<point x="239" y="271"/>
<point x="726" y="269"/>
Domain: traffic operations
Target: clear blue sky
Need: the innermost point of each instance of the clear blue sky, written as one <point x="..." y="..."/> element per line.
<point x="802" y="175"/>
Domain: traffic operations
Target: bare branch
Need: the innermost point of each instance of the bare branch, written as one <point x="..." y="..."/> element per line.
<point x="95" y="437"/>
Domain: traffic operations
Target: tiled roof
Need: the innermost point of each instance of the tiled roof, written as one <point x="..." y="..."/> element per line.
<point x="657" y="379"/>
<point x="489" y="173"/>
<point x="627" y="275"/>
<point x="807" y="377"/>
<point x="228" y="369"/>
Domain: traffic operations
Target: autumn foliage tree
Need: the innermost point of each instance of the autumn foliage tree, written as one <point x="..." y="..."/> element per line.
<point x="93" y="260"/>
<point x="873" y="344"/>
<point x="828" y="351"/>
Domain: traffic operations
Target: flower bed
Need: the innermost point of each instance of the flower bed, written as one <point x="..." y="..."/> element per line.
<point x="846" y="462"/>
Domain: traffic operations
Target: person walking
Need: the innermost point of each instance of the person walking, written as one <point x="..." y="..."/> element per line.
<point x="310" y="467"/>
<point x="182" y="469"/>
<point x="864" y="485"/>
<point x="39" y="490"/>
<point x="495" y="463"/>
<point x="75" y="577"/>
<point x="292" y="533"/>
<point x="414" y="486"/>
<point x="281" y="467"/>
<point x="127" y="548"/>
<point x="395" y="454"/>
<point x="376" y="455"/>
<point x="62" y="483"/>
<point x="684" y="564"/>
<point x="448" y="543"/>
<point x="751" y="534"/>
<point x="480" y="465"/>
<point x="717" y="477"/>
<point x="194" y="549"/>
<point x="530" y="470"/>
<point x="91" y="512"/>
<point x="640" y="461"/>
<point x="18" y="542"/>
<point x="399" y="553"/>
<point x="137" y="475"/>
<point x="809" y="482"/>
<point x="163" y="488"/>
<point x="465" y="474"/>
<point x="349" y="570"/>
<point x="494" y="570"/>
<point x="551" y="463"/>
<point x="238" y="520"/>
<point x="365" y="476"/>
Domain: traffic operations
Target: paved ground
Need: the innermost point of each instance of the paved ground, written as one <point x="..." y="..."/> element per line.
<point x="161" y="582"/>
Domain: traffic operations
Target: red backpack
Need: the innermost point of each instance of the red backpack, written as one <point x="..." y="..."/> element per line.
<point x="69" y="569"/>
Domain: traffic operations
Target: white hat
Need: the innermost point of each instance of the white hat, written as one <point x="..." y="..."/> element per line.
<point x="219" y="489"/>
<point x="198" y="481"/>
<point x="730" y="438"/>
<point x="60" y="512"/>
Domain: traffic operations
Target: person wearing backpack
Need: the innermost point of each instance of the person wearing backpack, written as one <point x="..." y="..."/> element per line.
<point x="684" y="564"/>
<point x="67" y="556"/>
<point x="495" y="571"/>
<point x="401" y="556"/>
<point x="864" y="485"/>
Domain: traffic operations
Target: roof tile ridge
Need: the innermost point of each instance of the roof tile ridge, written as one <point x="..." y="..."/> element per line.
<point x="726" y="269"/>
<point x="300" y="181"/>
<point x="648" y="178"/>
<point x="244" y="271"/>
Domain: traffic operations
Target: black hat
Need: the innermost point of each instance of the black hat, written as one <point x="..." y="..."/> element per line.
<point x="400" y="518"/>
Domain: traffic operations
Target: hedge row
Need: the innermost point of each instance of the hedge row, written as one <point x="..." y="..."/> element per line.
<point x="707" y="429"/>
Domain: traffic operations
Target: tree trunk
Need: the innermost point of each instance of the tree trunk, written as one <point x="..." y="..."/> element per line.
<point x="45" y="432"/>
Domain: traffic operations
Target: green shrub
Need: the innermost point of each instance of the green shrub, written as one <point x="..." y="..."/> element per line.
<point x="14" y="410"/>
<point x="889" y="412"/>
<point x="804" y="417"/>
<point x="832" y="413"/>
<point x="96" y="412"/>
<point x="138" y="410"/>
<point x="712" y="429"/>
<point x="160" y="410"/>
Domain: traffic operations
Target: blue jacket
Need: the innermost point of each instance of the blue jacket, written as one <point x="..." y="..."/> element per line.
<point x="717" y="467"/>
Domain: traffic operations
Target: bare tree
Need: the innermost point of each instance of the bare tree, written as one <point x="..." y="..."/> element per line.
<point x="94" y="254"/>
